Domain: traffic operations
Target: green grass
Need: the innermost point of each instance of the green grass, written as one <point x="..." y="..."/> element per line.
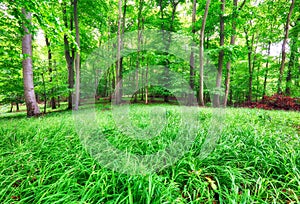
<point x="256" y="160"/>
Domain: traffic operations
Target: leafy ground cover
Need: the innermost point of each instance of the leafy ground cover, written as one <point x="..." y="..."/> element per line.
<point x="275" y="102"/>
<point x="256" y="160"/>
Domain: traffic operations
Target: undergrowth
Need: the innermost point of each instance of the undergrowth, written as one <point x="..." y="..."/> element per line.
<point x="256" y="160"/>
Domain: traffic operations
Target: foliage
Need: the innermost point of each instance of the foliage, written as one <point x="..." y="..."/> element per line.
<point x="256" y="160"/>
<point x="276" y="102"/>
<point x="262" y="21"/>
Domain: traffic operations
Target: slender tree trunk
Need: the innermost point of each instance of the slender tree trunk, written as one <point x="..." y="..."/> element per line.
<point x="97" y="74"/>
<point x="257" y="76"/>
<point x="69" y="57"/>
<point x="143" y="84"/>
<point x="192" y="56"/>
<point x="267" y="70"/>
<point x="283" y="53"/>
<point x="141" y="2"/>
<point x="174" y="4"/>
<point x="112" y="71"/>
<point x="146" y="88"/>
<point x="250" y="67"/>
<point x="31" y="103"/>
<point x="118" y="63"/>
<point x="232" y="42"/>
<point x="106" y="83"/>
<point x="250" y="78"/>
<point x="201" y="53"/>
<point x="290" y="67"/>
<point x="77" y="59"/>
<point x="166" y="69"/>
<point x="52" y="101"/>
<point x="45" y="93"/>
<point x="216" y="101"/>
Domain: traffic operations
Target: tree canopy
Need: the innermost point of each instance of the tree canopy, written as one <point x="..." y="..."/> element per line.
<point x="253" y="45"/>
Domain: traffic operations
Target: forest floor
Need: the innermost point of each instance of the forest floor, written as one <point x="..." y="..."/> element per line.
<point x="256" y="159"/>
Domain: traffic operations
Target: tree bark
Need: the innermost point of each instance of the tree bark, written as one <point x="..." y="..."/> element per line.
<point x="141" y="2"/>
<point x="232" y="42"/>
<point x="30" y="99"/>
<point x="283" y="53"/>
<point x="290" y="67"/>
<point x="267" y="70"/>
<point x="216" y="101"/>
<point x="52" y="100"/>
<point x="77" y="59"/>
<point x="146" y="82"/>
<point x="69" y="57"/>
<point x="192" y="56"/>
<point x="250" y="67"/>
<point x="45" y="93"/>
<point x="118" y="63"/>
<point x="201" y="54"/>
<point x="174" y="4"/>
<point x="11" y="107"/>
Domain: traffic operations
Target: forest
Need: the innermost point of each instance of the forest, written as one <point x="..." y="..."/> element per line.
<point x="254" y="47"/>
<point x="150" y="101"/>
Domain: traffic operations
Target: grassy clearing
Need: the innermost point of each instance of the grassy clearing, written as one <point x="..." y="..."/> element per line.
<point x="256" y="160"/>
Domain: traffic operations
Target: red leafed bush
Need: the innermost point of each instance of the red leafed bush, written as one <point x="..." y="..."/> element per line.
<point x="276" y="102"/>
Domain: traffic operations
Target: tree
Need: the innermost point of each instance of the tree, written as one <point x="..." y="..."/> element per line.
<point x="192" y="56"/>
<point x="250" y="45"/>
<point x="216" y="100"/>
<point x="138" y="58"/>
<point x="118" y="92"/>
<point x="11" y="79"/>
<point x="283" y="52"/>
<point x="31" y="104"/>
<point x="77" y="59"/>
<point x="201" y="100"/>
<point x="50" y="64"/>
<point x="267" y="70"/>
<point x="232" y="43"/>
<point x="293" y="56"/>
<point x="69" y="55"/>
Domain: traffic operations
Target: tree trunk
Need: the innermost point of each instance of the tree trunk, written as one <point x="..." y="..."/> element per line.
<point x="69" y="57"/>
<point x="290" y="67"/>
<point x="267" y="70"/>
<point x="216" y="101"/>
<point x="77" y="59"/>
<point x="141" y="2"/>
<point x="45" y="93"/>
<point x="52" y="101"/>
<point x="31" y="103"/>
<point x="146" y="82"/>
<point x="201" y="54"/>
<point x="257" y="77"/>
<point x="232" y="42"/>
<point x="143" y="84"/>
<point x="118" y="63"/>
<point x="283" y="53"/>
<point x="174" y="4"/>
<point x="250" y="67"/>
<point x="192" y="56"/>
<point x="17" y="104"/>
